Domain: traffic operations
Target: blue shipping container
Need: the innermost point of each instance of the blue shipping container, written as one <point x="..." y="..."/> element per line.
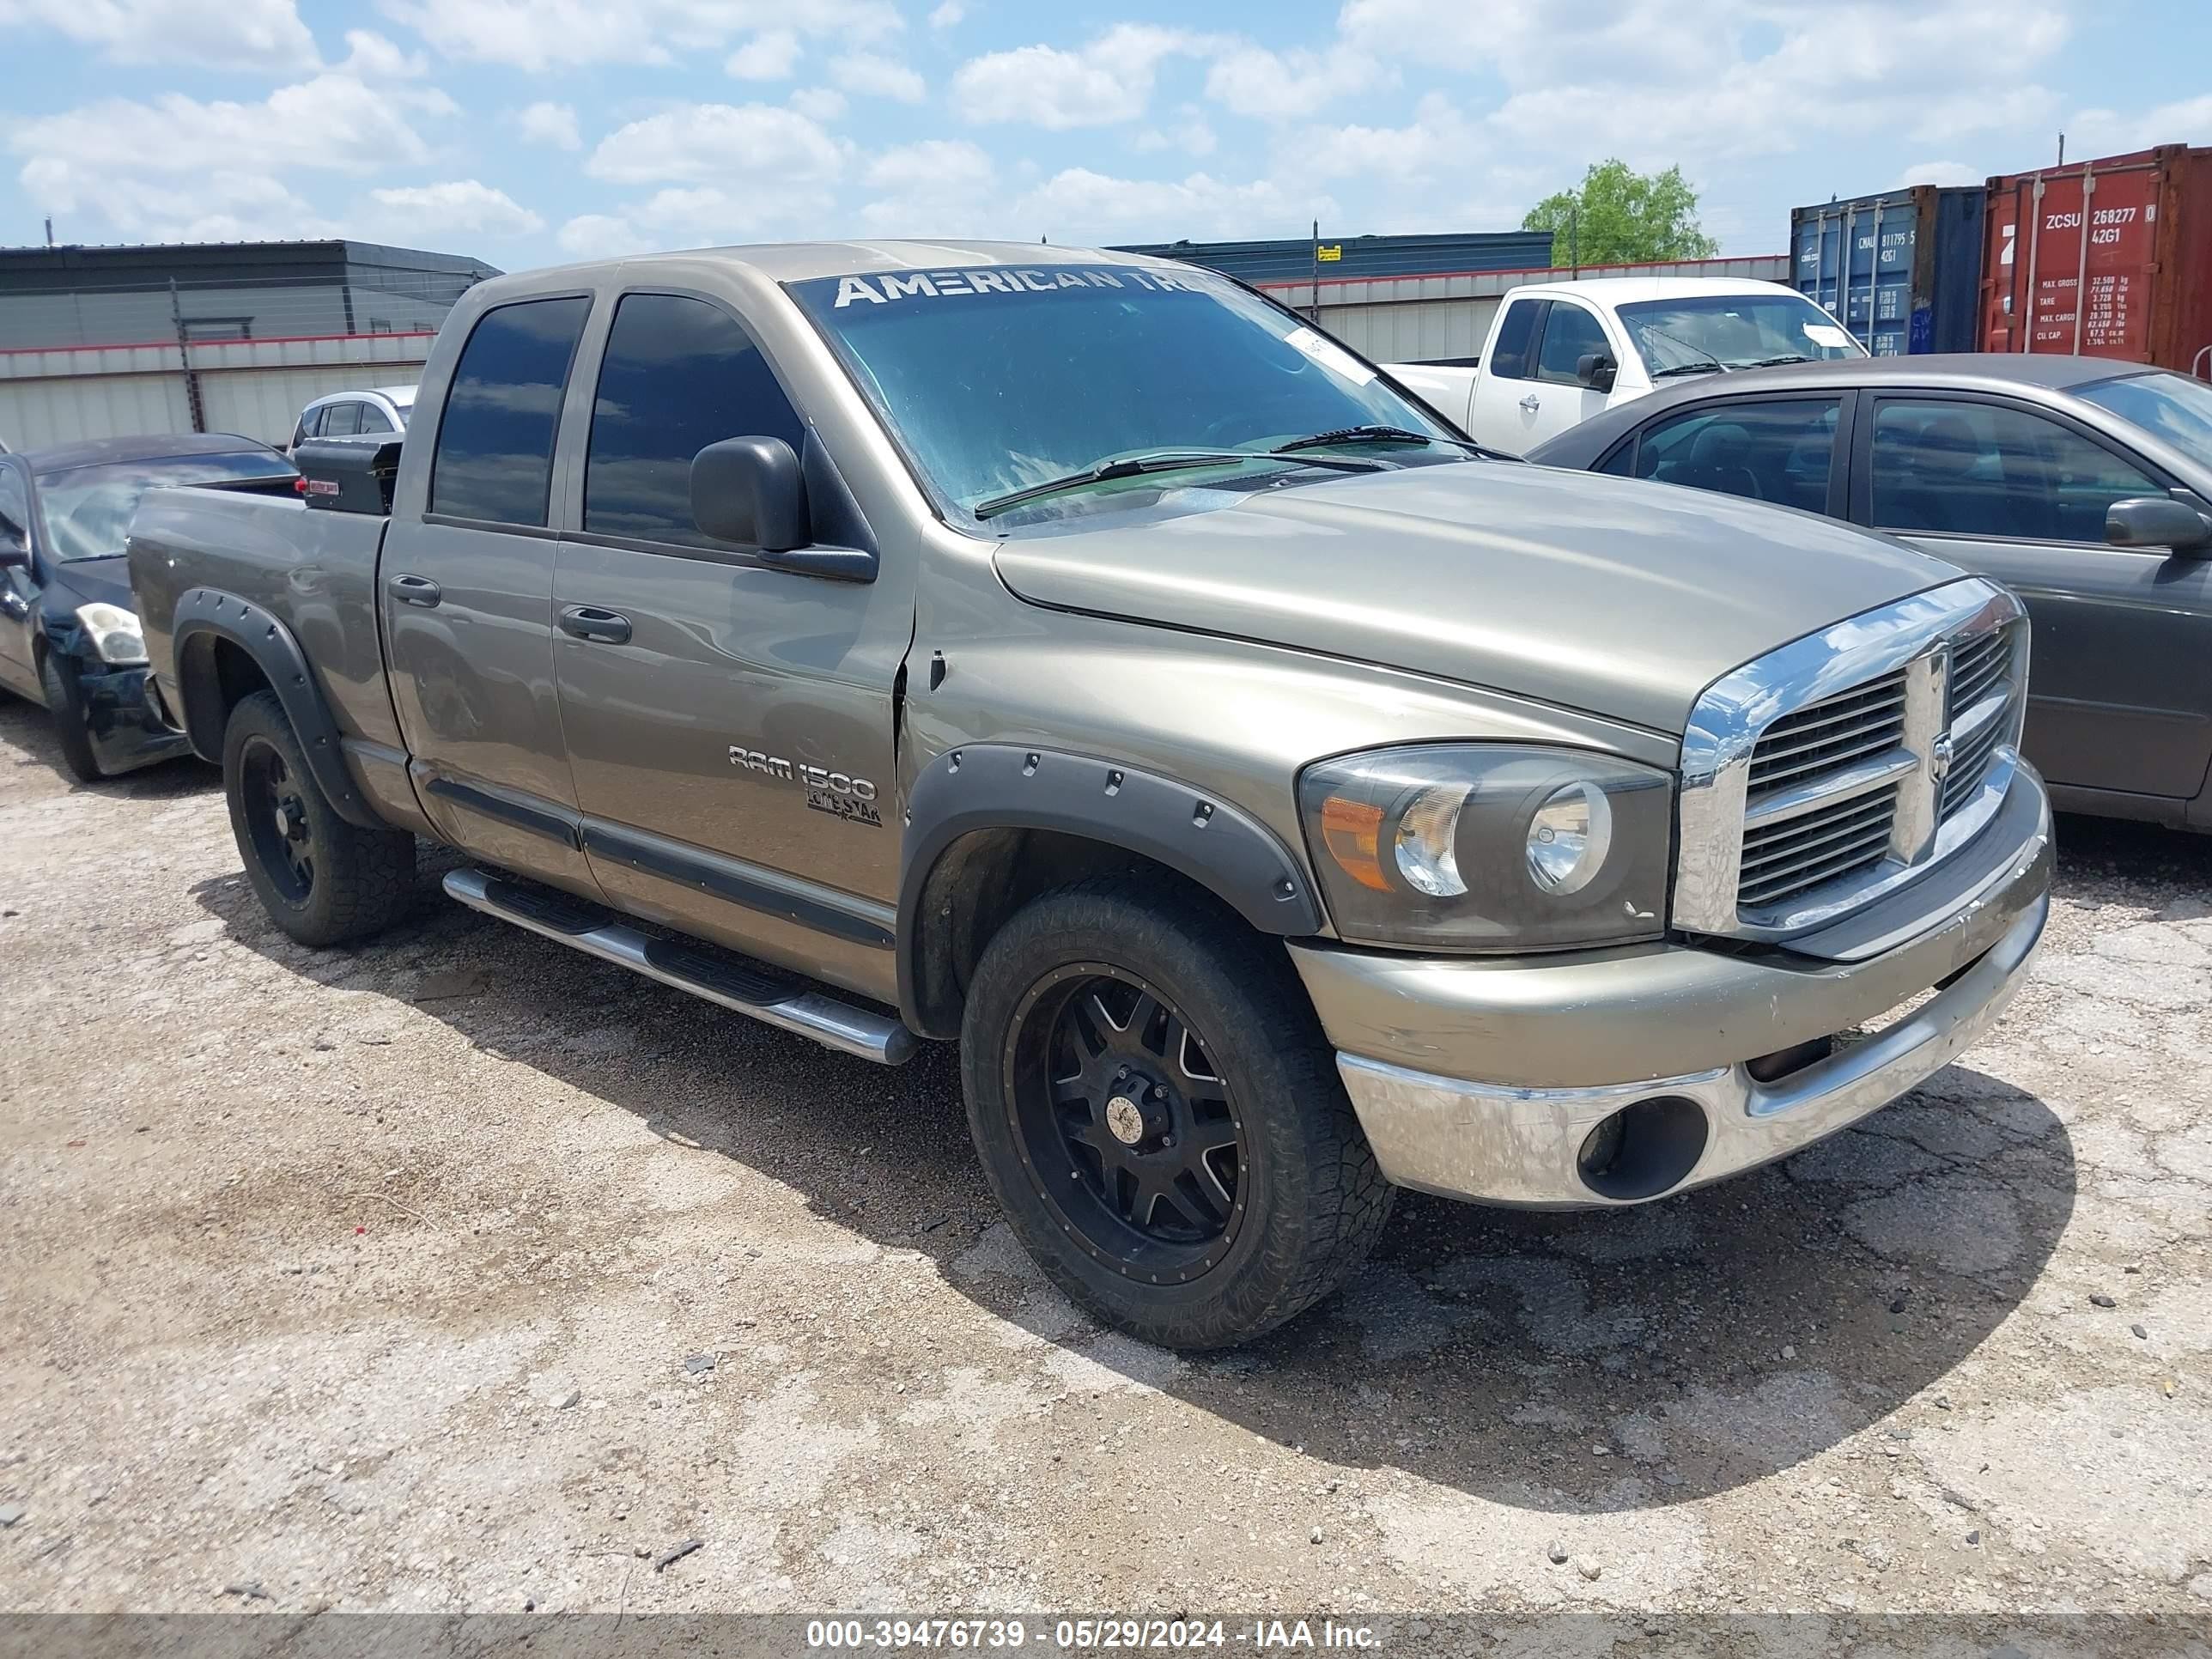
<point x="1292" y="259"/>
<point x="1901" y="270"/>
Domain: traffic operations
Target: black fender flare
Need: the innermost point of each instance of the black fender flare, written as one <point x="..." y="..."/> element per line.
<point x="996" y="786"/>
<point x="205" y="615"/>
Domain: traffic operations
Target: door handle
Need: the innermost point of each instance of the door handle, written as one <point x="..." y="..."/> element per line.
<point x="1531" y="403"/>
<point x="415" y="590"/>
<point x="588" y="622"/>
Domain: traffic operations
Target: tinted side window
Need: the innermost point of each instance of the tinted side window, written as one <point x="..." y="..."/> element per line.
<point x="1621" y="463"/>
<point x="1983" y="470"/>
<point x="1568" y="332"/>
<point x="14" y="509"/>
<point x="1509" y="358"/>
<point x="679" y="374"/>
<point x="495" y="457"/>
<point x="1780" y="450"/>
<point x="341" y="420"/>
<point x="373" y="419"/>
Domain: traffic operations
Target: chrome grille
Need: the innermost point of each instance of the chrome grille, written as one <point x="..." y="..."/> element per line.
<point x="1800" y="853"/>
<point x="1976" y="666"/>
<point x="1799" y="806"/>
<point x="1831" y="734"/>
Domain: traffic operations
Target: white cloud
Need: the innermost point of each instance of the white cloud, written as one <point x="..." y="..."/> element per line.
<point x="1109" y="80"/>
<point x="178" y="167"/>
<point x="1278" y="86"/>
<point x="2094" y="132"/>
<point x="372" y="56"/>
<point x="718" y="143"/>
<point x="223" y="205"/>
<point x="929" y="164"/>
<point x="353" y="129"/>
<point x="599" y="236"/>
<point x="1079" y="206"/>
<point x="770" y="56"/>
<point x="540" y="34"/>
<point x="461" y="205"/>
<point x="549" y="123"/>
<point x="1190" y="135"/>
<point x="818" y="103"/>
<point x="947" y="15"/>
<point x="256" y="36"/>
<point x="1438" y="138"/>
<point x="938" y="187"/>
<point x="1939" y="172"/>
<point x="872" y="75"/>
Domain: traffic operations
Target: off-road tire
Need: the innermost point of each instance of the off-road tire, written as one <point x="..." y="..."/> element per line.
<point x="67" y="709"/>
<point x="362" y="879"/>
<point x="1314" y="1201"/>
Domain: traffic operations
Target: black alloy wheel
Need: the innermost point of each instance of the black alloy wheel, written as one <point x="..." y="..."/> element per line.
<point x="276" y="819"/>
<point x="1125" y="1125"/>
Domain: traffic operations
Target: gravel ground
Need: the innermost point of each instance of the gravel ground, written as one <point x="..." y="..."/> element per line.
<point x="461" y="1272"/>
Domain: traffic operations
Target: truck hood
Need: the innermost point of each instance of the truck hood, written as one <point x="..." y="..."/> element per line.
<point x="1621" y="598"/>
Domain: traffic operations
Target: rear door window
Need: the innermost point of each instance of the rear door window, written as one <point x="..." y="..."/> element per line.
<point x="14" y="509"/>
<point x="373" y="419"/>
<point x="1517" y="338"/>
<point x="1569" y="332"/>
<point x="1941" y="467"/>
<point x="679" y="374"/>
<point x="1778" y="450"/>
<point x="493" y="462"/>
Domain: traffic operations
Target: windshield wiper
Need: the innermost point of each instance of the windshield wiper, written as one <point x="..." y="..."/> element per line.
<point x="1774" y="362"/>
<point x="1386" y="434"/>
<point x="1709" y="362"/>
<point x="1164" y="460"/>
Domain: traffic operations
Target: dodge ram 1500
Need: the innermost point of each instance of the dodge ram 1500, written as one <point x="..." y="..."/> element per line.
<point x="1079" y="658"/>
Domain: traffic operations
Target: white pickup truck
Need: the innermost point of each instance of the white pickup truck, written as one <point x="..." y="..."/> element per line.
<point x="1561" y="352"/>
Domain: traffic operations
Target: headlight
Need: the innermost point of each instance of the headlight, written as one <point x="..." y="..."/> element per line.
<point x="114" y="633"/>
<point x="1490" y="847"/>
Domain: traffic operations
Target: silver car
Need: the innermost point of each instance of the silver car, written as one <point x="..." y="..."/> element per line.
<point x="351" y="414"/>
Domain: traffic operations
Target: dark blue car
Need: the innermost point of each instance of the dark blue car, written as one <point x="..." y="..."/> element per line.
<point x="69" y="631"/>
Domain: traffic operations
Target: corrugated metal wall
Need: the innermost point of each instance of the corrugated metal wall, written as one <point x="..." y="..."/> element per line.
<point x="1426" y="319"/>
<point x="255" y="387"/>
<point x="1361" y="256"/>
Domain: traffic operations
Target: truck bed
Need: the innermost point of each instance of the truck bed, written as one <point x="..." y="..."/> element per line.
<point x="315" y="571"/>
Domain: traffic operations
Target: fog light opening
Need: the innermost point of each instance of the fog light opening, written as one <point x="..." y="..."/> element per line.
<point x="1644" y="1150"/>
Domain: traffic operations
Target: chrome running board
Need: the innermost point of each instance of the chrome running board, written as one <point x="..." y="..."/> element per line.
<point x="719" y="976"/>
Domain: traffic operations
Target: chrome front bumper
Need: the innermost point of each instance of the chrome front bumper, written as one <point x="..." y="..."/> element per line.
<point x="1536" y="1057"/>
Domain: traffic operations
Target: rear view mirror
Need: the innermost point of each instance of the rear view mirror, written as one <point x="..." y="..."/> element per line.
<point x="2157" y="521"/>
<point x="1595" y="370"/>
<point x="750" y="491"/>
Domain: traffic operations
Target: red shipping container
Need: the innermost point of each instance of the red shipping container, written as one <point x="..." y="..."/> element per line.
<point x="2109" y="259"/>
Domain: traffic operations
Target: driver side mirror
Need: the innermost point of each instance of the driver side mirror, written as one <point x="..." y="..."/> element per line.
<point x="2157" y="521"/>
<point x="14" y="547"/>
<point x="1595" y="370"/>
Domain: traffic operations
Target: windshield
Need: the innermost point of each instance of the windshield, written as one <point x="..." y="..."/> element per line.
<point x="85" y="511"/>
<point x="1734" y="330"/>
<point x="2170" y="406"/>
<point x="997" y="379"/>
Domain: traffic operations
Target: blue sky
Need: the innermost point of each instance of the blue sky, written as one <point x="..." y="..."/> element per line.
<point x="527" y="131"/>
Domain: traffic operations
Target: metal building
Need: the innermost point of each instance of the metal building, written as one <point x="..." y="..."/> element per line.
<point x="1334" y="259"/>
<point x="100" y="342"/>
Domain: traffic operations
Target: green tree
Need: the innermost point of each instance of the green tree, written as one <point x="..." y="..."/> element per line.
<point x="1619" y="217"/>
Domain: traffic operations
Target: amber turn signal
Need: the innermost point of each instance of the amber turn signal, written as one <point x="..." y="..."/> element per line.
<point x="1352" y="830"/>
